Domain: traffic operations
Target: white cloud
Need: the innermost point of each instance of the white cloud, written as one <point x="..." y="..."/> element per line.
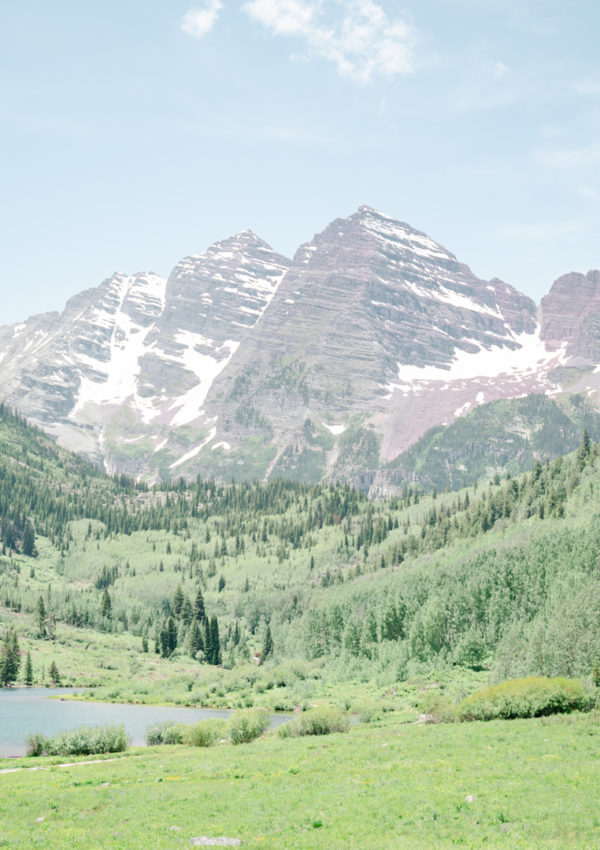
<point x="198" y="22"/>
<point x="362" y="41"/>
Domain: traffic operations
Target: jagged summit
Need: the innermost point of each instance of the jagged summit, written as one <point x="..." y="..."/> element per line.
<point x="245" y="364"/>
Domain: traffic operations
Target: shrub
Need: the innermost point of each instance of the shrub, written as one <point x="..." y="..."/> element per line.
<point x="367" y="711"/>
<point x="246" y="724"/>
<point x="35" y="744"/>
<point x="204" y="733"/>
<point x="437" y="707"/>
<point x="167" y="732"/>
<point x="534" y="696"/>
<point x="83" y="741"/>
<point x="316" y="721"/>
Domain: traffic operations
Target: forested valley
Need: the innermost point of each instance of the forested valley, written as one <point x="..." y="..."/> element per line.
<point x="207" y="593"/>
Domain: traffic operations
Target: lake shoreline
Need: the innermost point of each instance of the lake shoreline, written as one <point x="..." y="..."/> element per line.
<point x="49" y="711"/>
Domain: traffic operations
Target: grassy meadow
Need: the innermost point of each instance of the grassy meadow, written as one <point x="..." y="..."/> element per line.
<point x="385" y="784"/>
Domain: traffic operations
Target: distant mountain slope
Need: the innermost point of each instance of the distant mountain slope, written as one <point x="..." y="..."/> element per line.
<point x="508" y="435"/>
<point x="246" y="365"/>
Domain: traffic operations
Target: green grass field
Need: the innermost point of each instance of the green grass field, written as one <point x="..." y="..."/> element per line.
<point x="505" y="784"/>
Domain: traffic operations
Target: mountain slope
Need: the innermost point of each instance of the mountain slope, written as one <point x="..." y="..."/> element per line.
<point x="246" y="365"/>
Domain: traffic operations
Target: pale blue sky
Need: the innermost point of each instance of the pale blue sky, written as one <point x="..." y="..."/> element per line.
<point x="135" y="132"/>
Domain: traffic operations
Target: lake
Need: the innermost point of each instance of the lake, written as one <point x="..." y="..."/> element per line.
<point x="24" y="711"/>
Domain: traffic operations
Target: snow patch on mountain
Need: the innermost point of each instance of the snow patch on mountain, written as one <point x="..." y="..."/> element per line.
<point x="205" y="366"/>
<point x="115" y="372"/>
<point x="529" y="358"/>
<point x="195" y="451"/>
<point x="336" y="430"/>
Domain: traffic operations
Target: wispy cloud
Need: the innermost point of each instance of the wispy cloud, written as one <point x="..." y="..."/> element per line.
<point x="356" y="35"/>
<point x="540" y="232"/>
<point x="199" y="21"/>
<point x="571" y="158"/>
<point x="486" y="85"/>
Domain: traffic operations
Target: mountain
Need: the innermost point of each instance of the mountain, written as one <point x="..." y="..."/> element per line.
<point x="249" y="365"/>
<point x="121" y="373"/>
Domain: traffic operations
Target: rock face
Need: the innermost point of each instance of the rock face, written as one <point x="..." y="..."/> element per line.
<point x="571" y="315"/>
<point x="245" y="364"/>
<point x="125" y="369"/>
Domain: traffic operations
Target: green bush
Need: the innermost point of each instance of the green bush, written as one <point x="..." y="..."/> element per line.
<point x="204" y="733"/>
<point x="167" y="732"/>
<point x="316" y="721"/>
<point x="246" y="724"/>
<point x="534" y="696"/>
<point x="80" y="742"/>
<point x="368" y="711"/>
<point x="36" y="744"/>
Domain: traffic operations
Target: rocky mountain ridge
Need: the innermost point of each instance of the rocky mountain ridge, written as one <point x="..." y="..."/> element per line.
<point x="246" y="364"/>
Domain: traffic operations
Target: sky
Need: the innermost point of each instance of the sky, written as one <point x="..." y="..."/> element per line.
<point x="136" y="132"/>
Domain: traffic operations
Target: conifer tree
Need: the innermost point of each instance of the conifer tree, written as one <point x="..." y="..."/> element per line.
<point x="177" y="601"/>
<point x="208" y="653"/>
<point x="214" y="640"/>
<point x="195" y="639"/>
<point x="187" y="612"/>
<point x="10" y="660"/>
<point x="28" y="670"/>
<point x="106" y="606"/>
<point x="54" y="674"/>
<point x="28" y="545"/>
<point x="171" y="635"/>
<point x="267" y="649"/>
<point x="199" y="611"/>
<point x="41" y="617"/>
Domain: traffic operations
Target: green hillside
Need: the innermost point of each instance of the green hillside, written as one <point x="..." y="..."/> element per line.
<point x="173" y="593"/>
<point x="505" y="435"/>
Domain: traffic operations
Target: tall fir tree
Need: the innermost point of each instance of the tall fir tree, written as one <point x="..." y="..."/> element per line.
<point x="28" y="670"/>
<point x="177" y="601"/>
<point x="199" y="610"/>
<point x="28" y="545"/>
<point x="106" y="605"/>
<point x="41" y="617"/>
<point x="267" y="649"/>
<point x="208" y="653"/>
<point x="10" y="659"/>
<point x="214" y="640"/>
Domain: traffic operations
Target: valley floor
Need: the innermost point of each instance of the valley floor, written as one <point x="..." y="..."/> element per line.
<point x="387" y="784"/>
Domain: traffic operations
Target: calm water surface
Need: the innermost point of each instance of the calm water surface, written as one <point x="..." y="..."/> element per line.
<point x="24" y="711"/>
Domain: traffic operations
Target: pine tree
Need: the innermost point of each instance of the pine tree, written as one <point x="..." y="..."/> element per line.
<point x="187" y="612"/>
<point x="54" y="674"/>
<point x="106" y="606"/>
<point x="177" y="601"/>
<point x="199" y="611"/>
<point x="195" y="639"/>
<point x="28" y="546"/>
<point x="28" y="670"/>
<point x="584" y="450"/>
<point x="171" y="635"/>
<point x="208" y="653"/>
<point x="144" y="643"/>
<point x="41" y="617"/>
<point x="10" y="659"/>
<point x="214" y="640"/>
<point x="267" y="649"/>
